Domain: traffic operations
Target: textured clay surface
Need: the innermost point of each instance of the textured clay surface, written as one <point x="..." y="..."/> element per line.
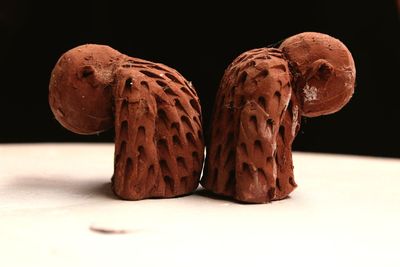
<point x="249" y="155"/>
<point x="257" y="115"/>
<point x="158" y="133"/>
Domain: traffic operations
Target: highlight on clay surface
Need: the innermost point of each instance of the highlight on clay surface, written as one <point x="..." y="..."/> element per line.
<point x="154" y="109"/>
<point x="257" y="112"/>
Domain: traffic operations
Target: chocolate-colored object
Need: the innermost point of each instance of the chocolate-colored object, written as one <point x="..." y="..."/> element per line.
<point x="156" y="112"/>
<point x="261" y="98"/>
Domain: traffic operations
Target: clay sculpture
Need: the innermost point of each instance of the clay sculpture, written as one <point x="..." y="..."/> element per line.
<point x="156" y="113"/>
<point x="257" y="112"/>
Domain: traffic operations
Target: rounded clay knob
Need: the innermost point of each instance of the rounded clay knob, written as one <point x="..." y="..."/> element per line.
<point x="80" y="94"/>
<point x="324" y="72"/>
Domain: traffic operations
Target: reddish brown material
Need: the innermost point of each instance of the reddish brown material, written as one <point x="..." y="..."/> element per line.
<point x="257" y="113"/>
<point x="324" y="70"/>
<point x="156" y="112"/>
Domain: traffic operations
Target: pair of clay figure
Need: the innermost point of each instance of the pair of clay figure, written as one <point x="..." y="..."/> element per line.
<point x="159" y="146"/>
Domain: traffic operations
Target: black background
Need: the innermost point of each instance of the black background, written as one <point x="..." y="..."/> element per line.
<point x="200" y="40"/>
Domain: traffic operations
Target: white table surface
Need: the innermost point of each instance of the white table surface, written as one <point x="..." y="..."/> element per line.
<point x="345" y="212"/>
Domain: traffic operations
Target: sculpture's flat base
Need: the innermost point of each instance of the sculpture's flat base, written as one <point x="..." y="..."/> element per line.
<point x="57" y="209"/>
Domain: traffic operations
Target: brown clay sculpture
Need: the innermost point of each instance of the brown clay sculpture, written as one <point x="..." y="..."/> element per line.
<point x="257" y="112"/>
<point x="155" y="111"/>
